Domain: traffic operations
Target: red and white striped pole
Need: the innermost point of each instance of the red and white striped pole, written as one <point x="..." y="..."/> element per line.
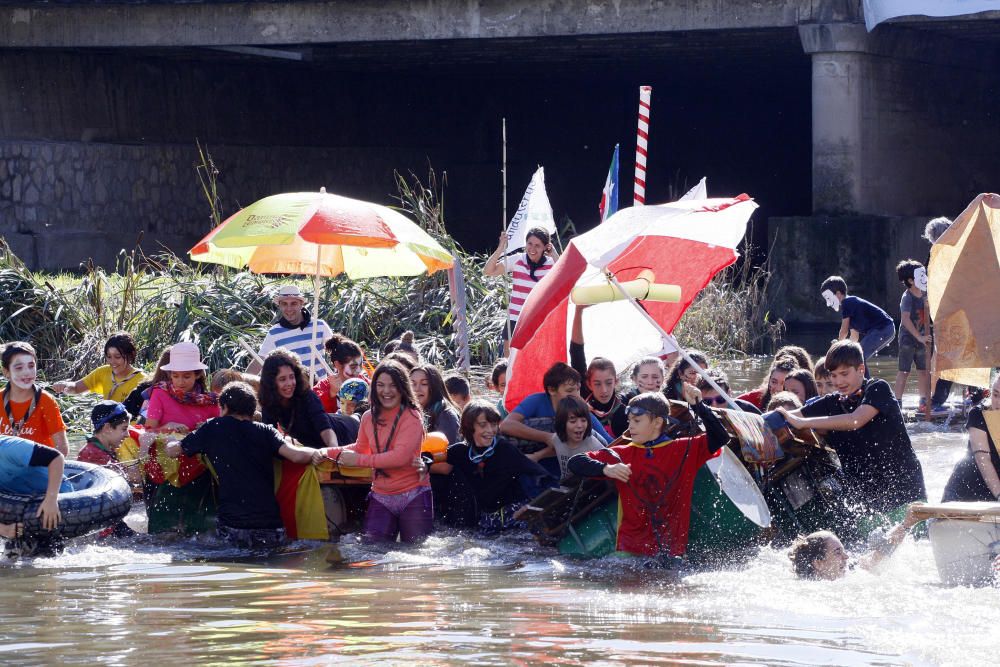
<point x="642" y="146"/>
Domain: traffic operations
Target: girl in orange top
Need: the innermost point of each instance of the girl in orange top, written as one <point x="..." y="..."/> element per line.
<point x="28" y="412"/>
<point x="399" y="504"/>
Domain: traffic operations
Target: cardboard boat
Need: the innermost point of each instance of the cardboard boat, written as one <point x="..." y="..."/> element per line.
<point x="965" y="538"/>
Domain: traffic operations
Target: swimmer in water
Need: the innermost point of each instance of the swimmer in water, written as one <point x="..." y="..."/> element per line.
<point x="821" y="555"/>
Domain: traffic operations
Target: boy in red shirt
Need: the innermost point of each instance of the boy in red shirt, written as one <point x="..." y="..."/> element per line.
<point x="655" y="474"/>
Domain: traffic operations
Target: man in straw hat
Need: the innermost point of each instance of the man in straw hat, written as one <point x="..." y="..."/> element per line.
<point x="294" y="332"/>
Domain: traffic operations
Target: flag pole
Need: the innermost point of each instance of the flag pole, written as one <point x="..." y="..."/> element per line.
<point x="503" y="221"/>
<point x="669" y="337"/>
<point x="641" y="146"/>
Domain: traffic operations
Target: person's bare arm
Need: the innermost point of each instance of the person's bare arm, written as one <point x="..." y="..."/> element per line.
<point x="513" y="425"/>
<point x="296" y="453"/>
<point x="60" y="442"/>
<point x="254" y="368"/>
<point x="891" y="540"/>
<point x="845" y="328"/>
<point x="49" y="509"/>
<point x="980" y="445"/>
<point x="69" y="387"/>
<point x="849" y="422"/>
<point x="907" y="323"/>
<point x="495" y="266"/>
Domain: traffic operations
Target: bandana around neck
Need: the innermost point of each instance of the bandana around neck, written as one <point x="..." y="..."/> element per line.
<point x="188" y="397"/>
<point x="306" y="319"/>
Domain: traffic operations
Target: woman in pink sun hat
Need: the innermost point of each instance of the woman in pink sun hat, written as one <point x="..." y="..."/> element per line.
<point x="180" y="500"/>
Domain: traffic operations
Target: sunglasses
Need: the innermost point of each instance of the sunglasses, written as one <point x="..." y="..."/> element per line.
<point x="715" y="400"/>
<point x="639" y="411"/>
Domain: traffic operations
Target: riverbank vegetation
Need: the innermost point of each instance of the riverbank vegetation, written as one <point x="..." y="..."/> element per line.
<point x="162" y="299"/>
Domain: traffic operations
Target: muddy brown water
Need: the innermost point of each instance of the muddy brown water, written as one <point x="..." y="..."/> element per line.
<point x="459" y="599"/>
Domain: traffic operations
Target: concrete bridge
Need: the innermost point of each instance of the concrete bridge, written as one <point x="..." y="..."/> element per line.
<point x="849" y="140"/>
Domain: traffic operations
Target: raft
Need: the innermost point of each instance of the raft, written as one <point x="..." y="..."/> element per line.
<point x="728" y="517"/>
<point x="101" y="497"/>
<point x="965" y="539"/>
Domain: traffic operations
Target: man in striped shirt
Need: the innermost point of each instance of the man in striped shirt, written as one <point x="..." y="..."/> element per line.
<point x="293" y="331"/>
<point x="526" y="268"/>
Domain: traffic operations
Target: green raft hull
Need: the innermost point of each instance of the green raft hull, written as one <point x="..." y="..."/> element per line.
<point x="718" y="532"/>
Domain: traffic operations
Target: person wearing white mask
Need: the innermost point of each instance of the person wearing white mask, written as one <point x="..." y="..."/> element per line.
<point x="914" y="329"/>
<point x="875" y="329"/>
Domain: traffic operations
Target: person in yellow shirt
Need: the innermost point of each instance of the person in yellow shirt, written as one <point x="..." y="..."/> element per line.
<point x="115" y="380"/>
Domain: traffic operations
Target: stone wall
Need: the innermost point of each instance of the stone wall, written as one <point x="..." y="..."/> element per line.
<point x="862" y="249"/>
<point x="63" y="203"/>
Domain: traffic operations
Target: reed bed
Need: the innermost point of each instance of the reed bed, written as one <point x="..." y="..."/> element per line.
<point x="163" y="299"/>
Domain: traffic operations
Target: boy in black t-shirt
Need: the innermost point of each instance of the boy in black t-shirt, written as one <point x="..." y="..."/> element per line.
<point x="866" y="428"/>
<point x="242" y="452"/>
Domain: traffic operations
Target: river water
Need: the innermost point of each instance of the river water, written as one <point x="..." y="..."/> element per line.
<point x="458" y="599"/>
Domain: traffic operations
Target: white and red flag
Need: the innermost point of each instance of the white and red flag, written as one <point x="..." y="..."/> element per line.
<point x="683" y="243"/>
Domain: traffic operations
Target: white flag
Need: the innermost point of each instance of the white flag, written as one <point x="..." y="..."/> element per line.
<point x="699" y="191"/>
<point x="533" y="211"/>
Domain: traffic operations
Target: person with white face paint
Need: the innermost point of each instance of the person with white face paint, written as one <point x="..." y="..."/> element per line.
<point x="875" y="329"/>
<point x="914" y="329"/>
<point x="28" y="412"/>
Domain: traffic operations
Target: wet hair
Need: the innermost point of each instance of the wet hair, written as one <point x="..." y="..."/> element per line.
<point x="797" y="353"/>
<point x="572" y="406"/>
<point x="656" y="404"/>
<point x="121" y="341"/>
<point x="499" y="368"/>
<point x="834" y="284"/>
<point x="806" y="551"/>
<point x="720" y="378"/>
<point x="238" y="398"/>
<point x="935" y="228"/>
<point x="906" y="269"/>
<point x="160" y="375"/>
<point x="438" y="392"/>
<point x="672" y="390"/>
<point x="457" y="386"/>
<point x="844" y="353"/>
<point x="401" y="378"/>
<point x="783" y="399"/>
<point x="407" y="361"/>
<point x="105" y="408"/>
<point x="806" y="378"/>
<point x="820" y="370"/>
<point x="559" y="374"/>
<point x="471" y="413"/>
<point x="14" y="348"/>
<point x="221" y="378"/>
<point x="539" y="233"/>
<point x="647" y="360"/>
<point x="270" y="399"/>
<point x="342" y="349"/>
<point x="600" y="364"/>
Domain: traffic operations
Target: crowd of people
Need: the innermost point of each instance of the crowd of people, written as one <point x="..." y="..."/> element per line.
<point x="205" y="447"/>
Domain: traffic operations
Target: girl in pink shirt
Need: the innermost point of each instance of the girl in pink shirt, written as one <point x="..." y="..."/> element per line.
<point x="400" y="503"/>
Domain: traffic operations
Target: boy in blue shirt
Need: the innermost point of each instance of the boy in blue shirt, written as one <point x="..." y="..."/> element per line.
<point x="534" y="417"/>
<point x="874" y="326"/>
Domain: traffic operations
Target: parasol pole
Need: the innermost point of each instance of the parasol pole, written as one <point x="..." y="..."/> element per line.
<point x="673" y="341"/>
<point x="315" y="314"/>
